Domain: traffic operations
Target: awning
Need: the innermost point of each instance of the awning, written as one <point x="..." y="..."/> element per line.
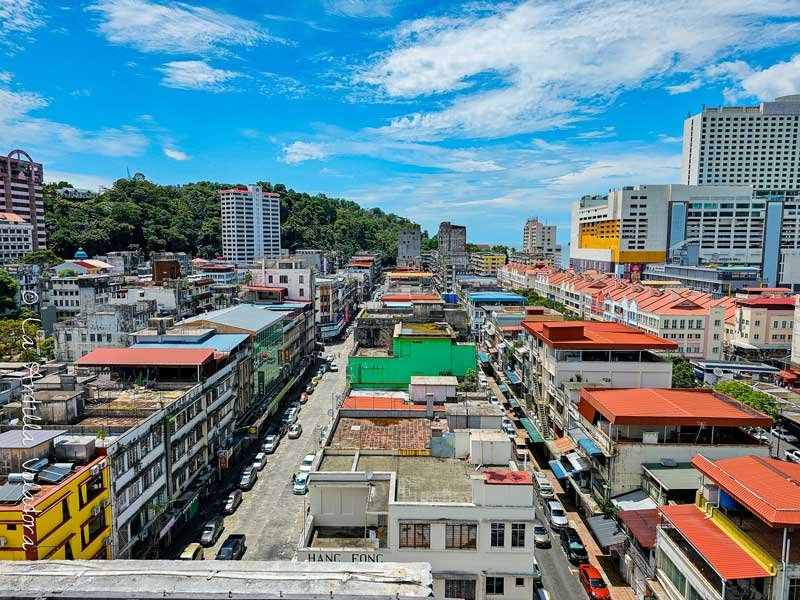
<point x="606" y="531"/>
<point x="558" y="470"/>
<point x="483" y="357"/>
<point x="502" y="346"/>
<point x="564" y="444"/>
<point x="513" y="378"/>
<point x="578" y="462"/>
<point x="492" y="350"/>
<point x="535" y="436"/>
<point x="503" y="388"/>
<point x="590" y="447"/>
<point x="512" y="402"/>
<point x="788" y="375"/>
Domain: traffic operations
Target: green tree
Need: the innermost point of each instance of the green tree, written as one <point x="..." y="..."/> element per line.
<point x="749" y="396"/>
<point x="46" y="258"/>
<point x="8" y="292"/>
<point x="20" y="341"/>
<point x="534" y="299"/>
<point x="683" y="374"/>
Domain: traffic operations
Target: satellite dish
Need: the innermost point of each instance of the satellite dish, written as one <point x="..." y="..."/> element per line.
<point x="369" y="474"/>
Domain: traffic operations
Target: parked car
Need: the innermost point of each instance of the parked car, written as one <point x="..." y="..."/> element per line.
<point x="303" y="398"/>
<point x="233" y="502"/>
<point x="289" y="417"/>
<point x="192" y="552"/>
<point x="784" y="434"/>
<point x="329" y="358"/>
<point x="593" y="583"/>
<point x="270" y="444"/>
<point x="300" y="484"/>
<point x="295" y="406"/>
<point x="334" y="367"/>
<point x="211" y="531"/>
<point x="761" y="435"/>
<point x="544" y="486"/>
<point x="510" y="430"/>
<point x="493" y="399"/>
<point x="233" y="547"/>
<point x="557" y="515"/>
<point x="323" y="434"/>
<point x="305" y="466"/>
<point x="315" y="381"/>
<point x="260" y="461"/>
<point x="573" y="546"/>
<point x="309" y="389"/>
<point x="248" y="478"/>
<point x="295" y="431"/>
<point x="541" y="537"/>
<point x="792" y="455"/>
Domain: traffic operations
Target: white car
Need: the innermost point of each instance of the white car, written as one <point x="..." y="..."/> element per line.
<point x="334" y="367"/>
<point x="260" y="461"/>
<point x="329" y="358"/>
<point x="784" y="434"/>
<point x="305" y="466"/>
<point x="792" y="456"/>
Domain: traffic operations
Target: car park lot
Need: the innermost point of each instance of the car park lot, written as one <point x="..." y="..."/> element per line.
<point x="270" y="514"/>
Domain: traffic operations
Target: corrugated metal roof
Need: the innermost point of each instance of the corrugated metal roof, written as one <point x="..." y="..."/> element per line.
<point x="642" y="524"/>
<point x="145" y="357"/>
<point x="14" y="438"/>
<point x="724" y="555"/>
<point x="244" y="316"/>
<point x="657" y="406"/>
<point x="768" y="487"/>
<point x="221" y="342"/>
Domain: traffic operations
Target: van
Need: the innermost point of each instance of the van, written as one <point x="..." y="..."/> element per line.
<point x="544" y="486"/>
<point x="556" y="515"/>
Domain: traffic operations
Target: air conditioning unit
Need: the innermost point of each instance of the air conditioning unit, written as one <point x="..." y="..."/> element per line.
<point x="95" y="511"/>
<point x="105" y="503"/>
<point x="107" y="541"/>
<point x="94" y="470"/>
<point x="3" y="542"/>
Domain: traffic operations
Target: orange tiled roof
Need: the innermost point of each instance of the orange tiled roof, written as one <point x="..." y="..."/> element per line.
<point x="594" y="335"/>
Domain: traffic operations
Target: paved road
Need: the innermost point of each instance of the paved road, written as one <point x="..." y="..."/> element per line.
<point x="270" y="515"/>
<point x="559" y="577"/>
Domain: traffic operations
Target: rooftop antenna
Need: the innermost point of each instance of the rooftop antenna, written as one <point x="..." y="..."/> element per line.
<point x="128" y="169"/>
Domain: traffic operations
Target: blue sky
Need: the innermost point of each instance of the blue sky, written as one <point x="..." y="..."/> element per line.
<point x="481" y="113"/>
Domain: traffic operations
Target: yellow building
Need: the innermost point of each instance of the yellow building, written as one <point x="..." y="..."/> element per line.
<point x="487" y="264"/>
<point x="67" y="519"/>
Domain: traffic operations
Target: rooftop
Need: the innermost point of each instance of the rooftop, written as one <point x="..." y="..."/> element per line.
<point x="220" y="342"/>
<point x="434" y="380"/>
<point x="595" y="335"/>
<point x="725" y="556"/>
<point x="426" y="298"/>
<point x="247" y="317"/>
<point x="672" y="406"/>
<point x="146" y="357"/>
<point x="438" y="330"/>
<point x="642" y="524"/>
<point x="770" y="303"/>
<point x="497" y="297"/>
<point x="17" y="438"/>
<point x="767" y="487"/>
<point x="382" y="433"/>
<point x="201" y="580"/>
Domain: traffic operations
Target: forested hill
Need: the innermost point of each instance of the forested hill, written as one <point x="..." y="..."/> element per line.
<point x="151" y="217"/>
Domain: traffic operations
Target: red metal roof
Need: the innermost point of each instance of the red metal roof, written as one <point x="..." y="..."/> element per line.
<point x="774" y="303"/>
<point x="265" y="288"/>
<point x="144" y="357"/>
<point x="642" y="524"/>
<point x="768" y="487"/>
<point x="671" y="406"/>
<point x="724" y="555"/>
<point x="410" y="297"/>
<point x="511" y="328"/>
<point x="507" y="478"/>
<point x="594" y="335"/>
<point x="383" y="403"/>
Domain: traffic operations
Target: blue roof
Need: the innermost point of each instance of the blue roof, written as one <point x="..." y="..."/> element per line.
<point x="558" y="470"/>
<point x="590" y="447"/>
<point x="513" y="377"/>
<point x="248" y="317"/>
<point x="219" y="342"/>
<point x="502" y="387"/>
<point x="484" y="358"/>
<point x="496" y="297"/>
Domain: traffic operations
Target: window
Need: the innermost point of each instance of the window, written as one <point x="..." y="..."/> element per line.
<point x="519" y="581"/>
<point x="459" y="588"/>
<point x="518" y="535"/>
<point x="284" y="278"/>
<point x="461" y="537"/>
<point x="794" y="589"/>
<point x="64" y="510"/>
<point x="415" y="535"/>
<point x="495" y="585"/>
<point x="498" y="535"/>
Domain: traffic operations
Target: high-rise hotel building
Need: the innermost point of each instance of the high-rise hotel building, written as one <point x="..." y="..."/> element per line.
<point x="21" y="193"/>
<point x="251" y="223"/>
<point x="751" y="145"/>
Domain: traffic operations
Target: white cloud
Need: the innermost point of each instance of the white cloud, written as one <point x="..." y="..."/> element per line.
<point x="19" y="17"/>
<point x="538" y="65"/>
<point x="298" y="152"/>
<point x="361" y="8"/>
<point x="781" y="79"/>
<point x="79" y="180"/>
<point x="175" y="27"/>
<point x="176" y="154"/>
<point x="682" y="88"/>
<point x="282" y="85"/>
<point x="196" y="75"/>
<point x="605" y="132"/>
<point x="18" y="127"/>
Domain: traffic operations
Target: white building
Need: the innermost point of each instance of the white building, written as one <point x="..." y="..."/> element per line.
<point x="72" y="295"/>
<point x="754" y="145"/>
<point x="539" y="240"/>
<point x="16" y="237"/>
<point x="251" y="223"/>
<point x="409" y="247"/>
<point x="290" y="272"/>
<point x="471" y="521"/>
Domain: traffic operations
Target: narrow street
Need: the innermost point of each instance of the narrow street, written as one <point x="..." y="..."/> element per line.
<point x="270" y="515"/>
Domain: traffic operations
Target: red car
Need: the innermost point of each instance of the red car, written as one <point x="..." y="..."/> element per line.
<point x="593" y="583"/>
<point x="303" y="398"/>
